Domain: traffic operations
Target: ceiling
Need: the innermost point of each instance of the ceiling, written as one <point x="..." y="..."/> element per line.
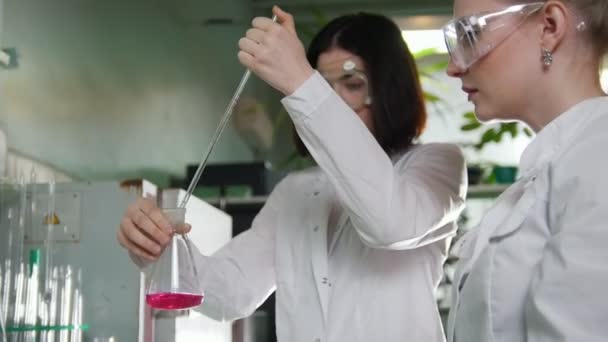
<point x="407" y="13"/>
<point x="304" y="9"/>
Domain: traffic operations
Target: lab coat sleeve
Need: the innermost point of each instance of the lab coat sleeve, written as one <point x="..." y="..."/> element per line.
<point x="240" y="276"/>
<point x="391" y="207"/>
<point x="568" y="299"/>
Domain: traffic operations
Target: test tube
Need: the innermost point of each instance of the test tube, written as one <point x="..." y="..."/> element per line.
<point x="17" y="295"/>
<point x="8" y="217"/>
<point x="66" y="303"/>
<point x="49" y="241"/>
<point x="5" y="258"/>
<point x="19" y="307"/>
<point x="48" y="297"/>
<point x="31" y="301"/>
<point x="51" y="316"/>
<point x="6" y="290"/>
<point x="77" y="308"/>
<point x="3" y="324"/>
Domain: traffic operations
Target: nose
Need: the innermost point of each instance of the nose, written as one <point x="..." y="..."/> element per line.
<point x="453" y="70"/>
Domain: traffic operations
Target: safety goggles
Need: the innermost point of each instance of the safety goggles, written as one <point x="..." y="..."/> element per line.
<point x="469" y="38"/>
<point x="350" y="83"/>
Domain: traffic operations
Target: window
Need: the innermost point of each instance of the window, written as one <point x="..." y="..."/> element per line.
<point x="604" y="78"/>
<point x="418" y="40"/>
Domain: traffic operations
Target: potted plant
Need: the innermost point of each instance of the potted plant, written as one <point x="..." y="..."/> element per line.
<point x="502" y="174"/>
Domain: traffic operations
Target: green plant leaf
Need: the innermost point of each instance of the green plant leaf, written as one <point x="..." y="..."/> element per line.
<point x="470" y="115"/>
<point x="280" y="118"/>
<point x="307" y="32"/>
<point x="435" y="67"/>
<point x="424" y="74"/>
<point x="498" y="136"/>
<point x="430" y="97"/>
<point x="430" y="77"/>
<point x="320" y="18"/>
<point x="291" y="158"/>
<point x="513" y="129"/>
<point x="488" y="136"/>
<point x="425" y="53"/>
<point x="470" y="126"/>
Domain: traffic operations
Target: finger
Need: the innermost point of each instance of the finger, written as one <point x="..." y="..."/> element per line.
<point x="157" y="217"/>
<point x="183" y="228"/>
<point x="144" y="224"/>
<point x="146" y="204"/>
<point x="262" y="23"/>
<point x="149" y="209"/>
<point x="138" y="238"/>
<point x="254" y="34"/>
<point x="128" y="245"/>
<point x="285" y="19"/>
<point x="246" y="60"/>
<point x="249" y="46"/>
<point x="132" y="248"/>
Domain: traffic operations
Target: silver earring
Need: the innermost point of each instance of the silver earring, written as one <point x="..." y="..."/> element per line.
<point x="582" y="26"/>
<point x="368" y="101"/>
<point x="547" y="58"/>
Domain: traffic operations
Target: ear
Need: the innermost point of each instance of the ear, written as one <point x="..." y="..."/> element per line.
<point x="554" y="25"/>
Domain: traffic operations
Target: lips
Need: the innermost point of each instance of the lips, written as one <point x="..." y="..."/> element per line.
<point x="470" y="91"/>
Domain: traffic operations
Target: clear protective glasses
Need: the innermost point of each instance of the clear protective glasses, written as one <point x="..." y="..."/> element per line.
<point x="471" y="37"/>
<point x="350" y="82"/>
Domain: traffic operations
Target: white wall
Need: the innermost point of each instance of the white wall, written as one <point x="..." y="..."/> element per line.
<point x="108" y="89"/>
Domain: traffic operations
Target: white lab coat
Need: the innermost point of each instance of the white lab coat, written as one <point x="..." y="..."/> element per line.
<point x="536" y="268"/>
<point x="375" y="280"/>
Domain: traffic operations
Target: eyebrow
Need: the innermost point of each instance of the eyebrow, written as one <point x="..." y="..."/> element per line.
<point x="342" y="77"/>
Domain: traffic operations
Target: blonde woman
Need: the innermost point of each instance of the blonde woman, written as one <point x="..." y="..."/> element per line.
<point x="535" y="269"/>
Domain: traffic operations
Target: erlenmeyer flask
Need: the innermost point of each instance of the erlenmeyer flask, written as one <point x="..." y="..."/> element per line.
<point x="173" y="282"/>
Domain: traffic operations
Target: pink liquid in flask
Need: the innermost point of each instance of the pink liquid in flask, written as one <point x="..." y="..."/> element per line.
<point x="173" y="301"/>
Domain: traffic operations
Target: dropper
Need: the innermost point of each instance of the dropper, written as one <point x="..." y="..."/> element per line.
<point x="217" y="134"/>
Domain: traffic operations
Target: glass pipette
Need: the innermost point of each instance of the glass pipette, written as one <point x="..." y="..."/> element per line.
<point x="216" y="136"/>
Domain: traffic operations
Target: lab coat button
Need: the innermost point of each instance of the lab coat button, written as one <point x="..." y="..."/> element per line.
<point x="316" y="193"/>
<point x="317" y="340"/>
<point x="316" y="228"/>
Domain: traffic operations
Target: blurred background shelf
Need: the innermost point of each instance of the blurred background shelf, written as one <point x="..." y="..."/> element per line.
<point x="25" y="328"/>
<point x="486" y="190"/>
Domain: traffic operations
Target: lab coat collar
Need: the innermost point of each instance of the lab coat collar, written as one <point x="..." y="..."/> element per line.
<point x="507" y="213"/>
<point x="506" y="216"/>
<point x="558" y="134"/>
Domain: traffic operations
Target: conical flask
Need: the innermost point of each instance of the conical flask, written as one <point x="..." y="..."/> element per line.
<point x="173" y="282"/>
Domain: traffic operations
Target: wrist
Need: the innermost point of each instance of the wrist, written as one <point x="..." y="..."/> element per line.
<point x="297" y="81"/>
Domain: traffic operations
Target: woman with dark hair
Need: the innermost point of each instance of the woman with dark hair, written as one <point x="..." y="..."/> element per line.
<point x="354" y="247"/>
<point x="399" y="113"/>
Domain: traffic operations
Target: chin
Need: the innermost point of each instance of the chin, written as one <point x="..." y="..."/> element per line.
<point x="484" y="114"/>
<point x="486" y="111"/>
